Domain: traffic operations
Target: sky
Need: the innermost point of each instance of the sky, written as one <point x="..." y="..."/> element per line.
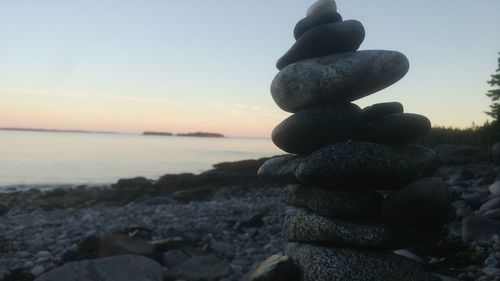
<point x="183" y="66"/>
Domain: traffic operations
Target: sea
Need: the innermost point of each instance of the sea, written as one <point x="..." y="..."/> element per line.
<point x="44" y="160"/>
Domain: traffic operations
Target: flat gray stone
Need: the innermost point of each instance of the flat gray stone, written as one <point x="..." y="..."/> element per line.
<point x="340" y="204"/>
<point x="117" y="268"/>
<point x="318" y="126"/>
<point x="327" y="264"/>
<point x="309" y="22"/>
<point x="342" y="77"/>
<point x="307" y="227"/>
<point x="280" y="168"/>
<point x="323" y="40"/>
<point x="398" y="129"/>
<point x="376" y="111"/>
<point x="365" y="165"/>
<point x="425" y="203"/>
<point x="493" y="203"/>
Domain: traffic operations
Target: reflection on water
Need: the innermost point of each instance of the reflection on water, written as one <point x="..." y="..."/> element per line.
<point x="29" y="158"/>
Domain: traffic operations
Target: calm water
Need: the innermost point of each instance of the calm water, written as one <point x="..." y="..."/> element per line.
<point x="36" y="158"/>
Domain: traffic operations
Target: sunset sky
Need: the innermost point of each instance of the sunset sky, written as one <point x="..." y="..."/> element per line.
<point x="180" y="66"/>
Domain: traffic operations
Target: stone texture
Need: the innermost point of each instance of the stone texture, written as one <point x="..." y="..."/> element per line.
<point x="337" y="78"/>
<point x="495" y="188"/>
<point x="275" y="268"/>
<point x="379" y="110"/>
<point x="326" y="264"/>
<point x="495" y="153"/>
<point x="479" y="228"/>
<point x="280" y="168"/>
<point x="208" y="267"/>
<point x="305" y="226"/>
<point x="118" y="268"/>
<point x="114" y="245"/>
<point x="318" y="126"/>
<point x="491" y="204"/>
<point x="321" y="6"/>
<point x="315" y="20"/>
<point x="340" y="204"/>
<point x="398" y="129"/>
<point x="326" y="39"/>
<point x="425" y="203"/>
<point x="365" y="165"/>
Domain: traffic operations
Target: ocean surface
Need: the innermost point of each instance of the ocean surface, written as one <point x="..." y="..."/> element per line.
<point x="46" y="159"/>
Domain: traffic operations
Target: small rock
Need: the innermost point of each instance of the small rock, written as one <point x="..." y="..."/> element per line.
<point x="398" y="129"/>
<point x="4" y="209"/>
<point x="208" y="267"/>
<point x="322" y="6"/>
<point x="275" y="268"/>
<point x="491" y="204"/>
<point x="22" y="255"/>
<point x="114" y="245"/>
<point x="312" y="21"/>
<point x="379" y="110"/>
<point x="173" y="258"/>
<point x="37" y="270"/>
<point x="479" y="228"/>
<point x="280" y="168"/>
<point x="495" y="188"/>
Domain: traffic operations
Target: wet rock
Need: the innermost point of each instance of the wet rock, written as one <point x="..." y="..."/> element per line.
<point x="325" y="264"/>
<point x="118" y="268"/>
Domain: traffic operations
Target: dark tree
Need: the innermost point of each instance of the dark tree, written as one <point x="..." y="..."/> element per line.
<point x="494" y="94"/>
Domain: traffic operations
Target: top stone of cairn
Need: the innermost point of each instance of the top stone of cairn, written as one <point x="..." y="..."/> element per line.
<point x="322" y="6"/>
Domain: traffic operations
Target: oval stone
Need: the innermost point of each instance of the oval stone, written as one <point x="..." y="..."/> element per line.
<point x="366" y="165"/>
<point x="326" y="39"/>
<point x="280" y="168"/>
<point x="315" y="20"/>
<point x="337" y="78"/>
<point x="321" y="6"/>
<point x="340" y="204"/>
<point x="327" y="264"/>
<point x="398" y="129"/>
<point x="315" y="127"/>
<point x="308" y="227"/>
<point x="374" y="112"/>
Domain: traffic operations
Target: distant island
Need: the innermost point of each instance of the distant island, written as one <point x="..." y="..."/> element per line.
<point x="157" y="134"/>
<point x="202" y="134"/>
<point x="55" y="131"/>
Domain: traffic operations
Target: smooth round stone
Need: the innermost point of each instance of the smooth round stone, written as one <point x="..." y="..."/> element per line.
<point x="315" y="127"/>
<point x="337" y="78"/>
<point x="366" y="165"/>
<point x="315" y="20"/>
<point x="398" y="129"/>
<point x="327" y="264"/>
<point x="340" y="204"/>
<point x="323" y="40"/>
<point x="321" y="6"/>
<point x="308" y="227"/>
<point x="374" y="112"/>
<point x="495" y="188"/>
<point x="425" y="203"/>
<point x="280" y="168"/>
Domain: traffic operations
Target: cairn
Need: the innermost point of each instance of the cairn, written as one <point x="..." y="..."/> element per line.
<point x="358" y="192"/>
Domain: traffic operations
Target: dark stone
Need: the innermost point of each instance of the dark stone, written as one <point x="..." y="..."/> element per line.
<point x="326" y="264"/>
<point x="479" y="228"/>
<point x="309" y="22"/>
<point x="207" y="267"/>
<point x="305" y="226"/>
<point x="114" y="245"/>
<point x="398" y="129"/>
<point x="315" y="127"/>
<point x="365" y="165"/>
<point x="275" y="268"/>
<point x="493" y="203"/>
<point x="323" y="40"/>
<point x="281" y="168"/>
<point x="4" y="209"/>
<point x="340" y="204"/>
<point x="338" y="78"/>
<point x="379" y="110"/>
<point x="425" y="203"/>
<point x="495" y="153"/>
<point x="119" y="268"/>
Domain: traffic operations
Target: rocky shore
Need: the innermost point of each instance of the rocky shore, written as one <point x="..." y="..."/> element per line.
<point x="218" y="225"/>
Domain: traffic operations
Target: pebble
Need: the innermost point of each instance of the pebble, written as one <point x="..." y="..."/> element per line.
<point x="37" y="270"/>
<point x="322" y="6"/>
<point x="379" y="110"/>
<point x="312" y="21"/>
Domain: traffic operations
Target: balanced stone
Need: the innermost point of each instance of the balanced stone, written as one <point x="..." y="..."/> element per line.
<point x="305" y="226"/>
<point x="322" y="6"/>
<point x="398" y="129"/>
<point x="326" y="39"/>
<point x="340" y="204"/>
<point x="315" y="127"/>
<point x="365" y="165"/>
<point x="379" y="110"/>
<point x="425" y="203"/>
<point x="312" y="21"/>
<point x="326" y="264"/>
<point x="280" y="168"/>
<point x="337" y="78"/>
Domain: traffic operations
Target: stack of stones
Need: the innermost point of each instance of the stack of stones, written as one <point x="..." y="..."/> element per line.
<point x="359" y="192"/>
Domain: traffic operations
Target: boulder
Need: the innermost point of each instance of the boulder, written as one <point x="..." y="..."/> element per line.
<point x="340" y="204"/>
<point x="326" y="264"/>
<point x="363" y="165"/>
<point x="342" y="77"/>
<point x="315" y="127"/>
<point x="118" y="268"/>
